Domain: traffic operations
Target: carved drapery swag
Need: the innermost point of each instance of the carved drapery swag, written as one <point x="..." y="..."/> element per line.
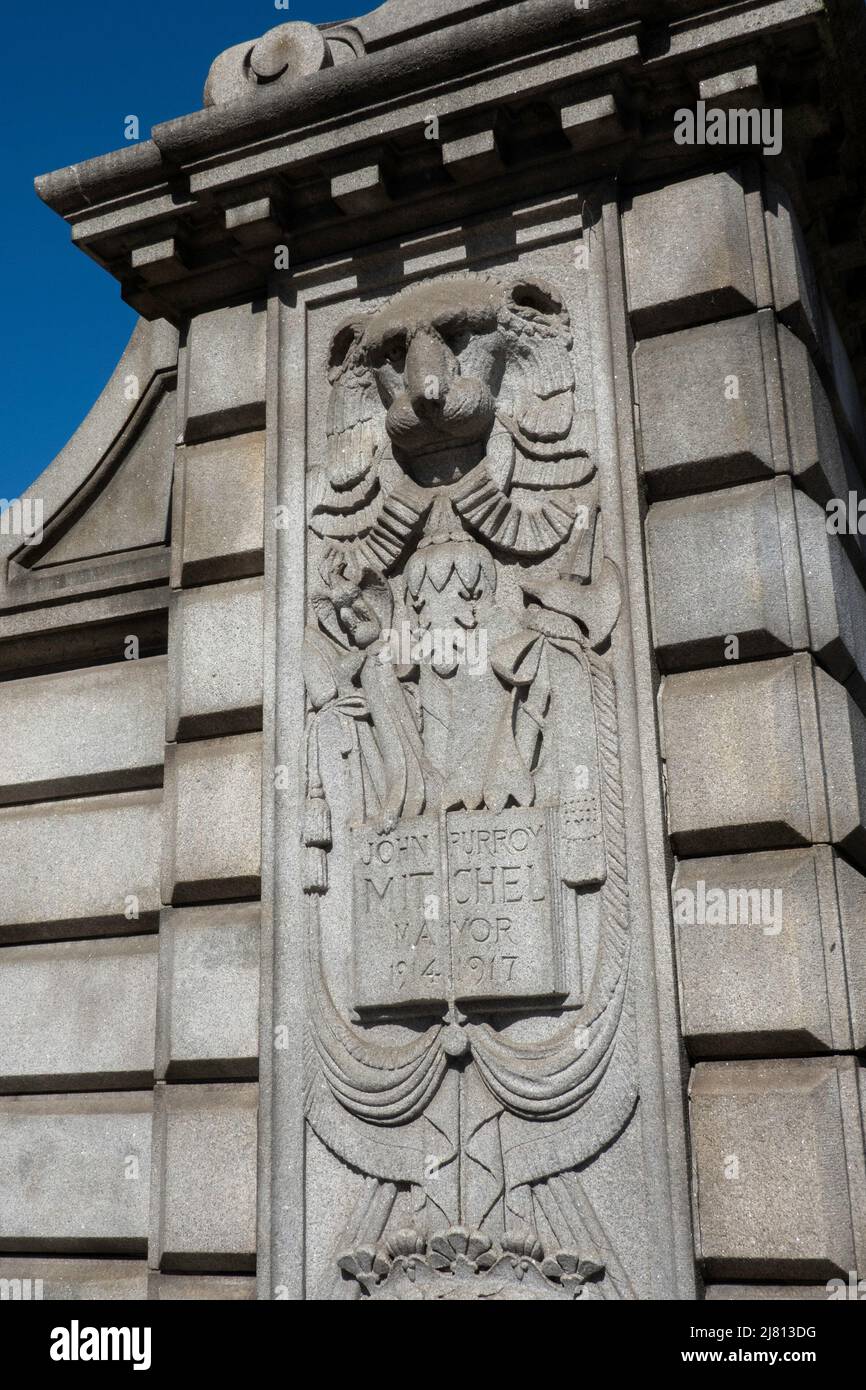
<point x="457" y="657"/>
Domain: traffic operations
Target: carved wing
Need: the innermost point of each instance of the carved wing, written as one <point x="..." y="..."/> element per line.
<point x="349" y="488"/>
<point x="355" y="425"/>
<point x="537" y="396"/>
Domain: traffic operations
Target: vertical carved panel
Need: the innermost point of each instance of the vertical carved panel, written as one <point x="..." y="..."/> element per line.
<point x="470" y="1068"/>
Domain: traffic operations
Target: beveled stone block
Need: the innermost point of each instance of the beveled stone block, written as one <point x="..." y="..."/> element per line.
<point x="764" y="755"/>
<point x="213" y="540"/>
<point x="817" y="460"/>
<point x="76" y="1171"/>
<point x="756" y="563"/>
<point x="843" y="738"/>
<point x="225" y="383"/>
<point x="78" y="1014"/>
<point x="847" y="389"/>
<point x="80" y="868"/>
<point x="209" y="992"/>
<point x="703" y="405"/>
<point x="687" y="253"/>
<point x="795" y="292"/>
<point x="726" y="564"/>
<point x="27" y="1278"/>
<point x="742" y="771"/>
<point x="851" y="888"/>
<point x="835" y="599"/>
<point x="782" y="931"/>
<point x="212" y="841"/>
<point x="777" y="1146"/>
<point x="204" y="1214"/>
<point x="215" y="660"/>
<point x="116" y="712"/>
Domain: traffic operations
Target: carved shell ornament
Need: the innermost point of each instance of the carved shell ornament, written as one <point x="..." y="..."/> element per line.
<point x="455" y="451"/>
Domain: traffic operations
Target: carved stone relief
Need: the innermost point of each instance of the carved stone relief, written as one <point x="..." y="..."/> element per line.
<point x="470" y="1037"/>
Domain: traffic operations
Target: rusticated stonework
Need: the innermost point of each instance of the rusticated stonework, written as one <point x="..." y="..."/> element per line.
<point x="454" y="888"/>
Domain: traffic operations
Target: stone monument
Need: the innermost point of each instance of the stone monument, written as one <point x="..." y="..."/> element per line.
<point x="435" y="799"/>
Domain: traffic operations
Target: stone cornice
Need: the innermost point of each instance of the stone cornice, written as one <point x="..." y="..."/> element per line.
<point x="529" y="99"/>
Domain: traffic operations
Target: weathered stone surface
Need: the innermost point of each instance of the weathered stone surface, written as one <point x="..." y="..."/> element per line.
<point x="30" y="1278"/>
<point x="748" y="750"/>
<point x="116" y="713"/>
<point x="777" y="1145"/>
<point x="204" y="1201"/>
<point x="462" y="859"/>
<point x="224" y="1287"/>
<point x="851" y="887"/>
<point x="83" y="632"/>
<point x="843" y="737"/>
<point x="82" y="867"/>
<point x="835" y="599"/>
<point x="726" y="565"/>
<point x="213" y="541"/>
<point x="215" y="660"/>
<point x="739" y="775"/>
<point x="87" y="1160"/>
<point x="225" y="390"/>
<point x="795" y="292"/>
<point x="687" y="253"/>
<point x="209" y="992"/>
<point x="784" y="936"/>
<point x="471" y="156"/>
<point x="820" y="459"/>
<point x="739" y="1293"/>
<point x="756" y="563"/>
<point x="78" y="1014"/>
<point x="703" y="407"/>
<point x="460" y="815"/>
<point x="212" y="841"/>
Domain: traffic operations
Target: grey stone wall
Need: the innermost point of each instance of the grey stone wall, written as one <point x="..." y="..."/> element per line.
<point x="758" y="617"/>
<point x="204" y="1031"/>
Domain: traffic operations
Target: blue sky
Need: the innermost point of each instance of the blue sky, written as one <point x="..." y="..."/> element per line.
<point x="73" y="70"/>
